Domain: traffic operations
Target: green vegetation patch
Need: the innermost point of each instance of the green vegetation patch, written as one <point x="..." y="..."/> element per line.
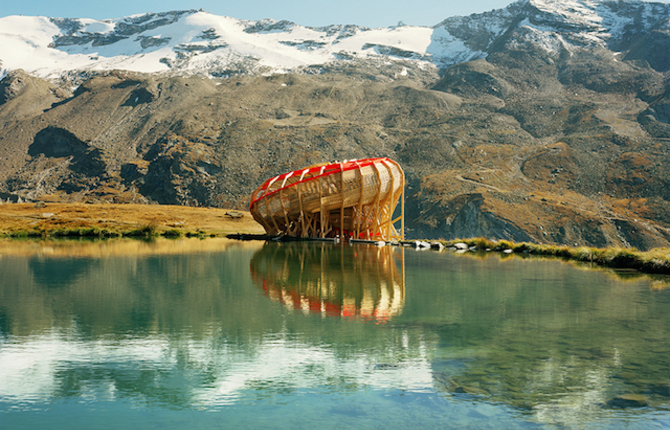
<point x="654" y="261"/>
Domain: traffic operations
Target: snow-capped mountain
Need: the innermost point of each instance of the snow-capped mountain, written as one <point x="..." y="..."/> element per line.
<point x="197" y="42"/>
<point x="193" y="42"/>
<point x="557" y="25"/>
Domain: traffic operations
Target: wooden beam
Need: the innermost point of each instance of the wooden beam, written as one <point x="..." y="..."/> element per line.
<point x="402" y="210"/>
<point x="375" y="208"/>
<point x="321" y="205"/>
<point x="357" y="225"/>
<point x="267" y="210"/>
<point x="342" y="196"/>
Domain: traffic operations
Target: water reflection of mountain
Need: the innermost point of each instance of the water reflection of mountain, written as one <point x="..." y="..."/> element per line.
<point x="182" y="329"/>
<point x="560" y="344"/>
<point x="113" y="288"/>
<point x="342" y="281"/>
<point x="190" y="330"/>
<point x="65" y="273"/>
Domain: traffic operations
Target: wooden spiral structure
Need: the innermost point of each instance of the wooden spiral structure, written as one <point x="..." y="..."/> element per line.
<point x="353" y="199"/>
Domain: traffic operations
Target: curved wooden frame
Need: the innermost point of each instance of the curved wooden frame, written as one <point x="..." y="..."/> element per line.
<point x="355" y="199"/>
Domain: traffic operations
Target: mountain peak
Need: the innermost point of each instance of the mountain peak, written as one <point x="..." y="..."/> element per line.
<point x="196" y="42"/>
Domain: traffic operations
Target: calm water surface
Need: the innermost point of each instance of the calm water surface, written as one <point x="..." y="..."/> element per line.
<point x="217" y="334"/>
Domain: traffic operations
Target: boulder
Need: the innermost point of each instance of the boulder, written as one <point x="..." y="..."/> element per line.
<point x="420" y="244"/>
<point x="436" y="246"/>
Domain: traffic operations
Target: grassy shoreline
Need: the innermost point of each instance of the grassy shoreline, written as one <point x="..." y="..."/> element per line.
<point x="76" y="220"/>
<point x="141" y="232"/>
<point x="655" y="261"/>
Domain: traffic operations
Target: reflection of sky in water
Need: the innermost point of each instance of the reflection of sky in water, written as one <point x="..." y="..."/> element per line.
<point x="280" y="363"/>
<point x="511" y="341"/>
<point x="35" y="369"/>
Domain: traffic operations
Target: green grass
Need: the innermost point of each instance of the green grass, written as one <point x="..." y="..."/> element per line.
<point x="654" y="261"/>
<point x="81" y="232"/>
<point x="148" y="231"/>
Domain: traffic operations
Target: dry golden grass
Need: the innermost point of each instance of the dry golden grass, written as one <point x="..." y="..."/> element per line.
<point x="108" y="220"/>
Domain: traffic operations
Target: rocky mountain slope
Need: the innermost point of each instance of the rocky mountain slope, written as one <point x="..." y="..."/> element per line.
<point x="545" y="121"/>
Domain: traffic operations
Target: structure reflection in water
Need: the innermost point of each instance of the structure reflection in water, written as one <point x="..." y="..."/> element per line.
<point x="351" y="281"/>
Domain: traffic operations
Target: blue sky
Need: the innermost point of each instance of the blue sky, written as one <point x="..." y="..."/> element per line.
<point x="370" y="13"/>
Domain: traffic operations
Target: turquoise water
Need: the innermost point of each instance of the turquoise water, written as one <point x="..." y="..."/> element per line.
<point x="321" y="336"/>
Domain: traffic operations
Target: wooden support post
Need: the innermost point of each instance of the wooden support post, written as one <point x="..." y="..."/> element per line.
<point x="302" y="213"/>
<point x="321" y="215"/>
<point x="342" y="197"/>
<point x="375" y="209"/>
<point x="402" y="211"/>
<point x="274" y="221"/>
<point x="359" y="219"/>
<point x="281" y="201"/>
<point x="388" y="203"/>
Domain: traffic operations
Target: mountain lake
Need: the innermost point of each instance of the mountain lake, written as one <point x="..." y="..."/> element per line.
<point x="219" y="333"/>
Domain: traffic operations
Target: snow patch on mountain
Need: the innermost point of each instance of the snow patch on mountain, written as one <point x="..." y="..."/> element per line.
<point x="580" y="14"/>
<point x="197" y="42"/>
<point x="193" y="42"/>
<point x="548" y="41"/>
<point x="447" y="49"/>
<point x="599" y="22"/>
